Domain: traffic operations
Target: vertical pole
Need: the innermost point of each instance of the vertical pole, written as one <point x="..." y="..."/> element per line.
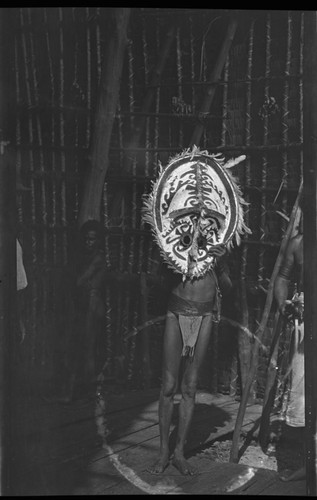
<point x="146" y="359"/>
<point x="7" y="256"/>
<point x="310" y="244"/>
<point x="214" y="77"/>
<point x="105" y="113"/>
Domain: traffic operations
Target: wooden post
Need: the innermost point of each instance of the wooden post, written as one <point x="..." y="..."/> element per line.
<point x="108" y="97"/>
<point x="268" y="398"/>
<point x="244" y="344"/>
<point x="138" y="130"/>
<point x="310" y="245"/>
<point x="214" y="77"/>
<point x="7" y="257"/>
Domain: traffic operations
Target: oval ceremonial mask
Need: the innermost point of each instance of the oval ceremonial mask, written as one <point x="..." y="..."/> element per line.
<point x="195" y="204"/>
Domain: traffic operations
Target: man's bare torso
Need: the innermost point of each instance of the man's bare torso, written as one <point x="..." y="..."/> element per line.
<point x="199" y="289"/>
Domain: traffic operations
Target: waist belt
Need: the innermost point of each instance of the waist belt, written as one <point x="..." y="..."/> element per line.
<point x="186" y="307"/>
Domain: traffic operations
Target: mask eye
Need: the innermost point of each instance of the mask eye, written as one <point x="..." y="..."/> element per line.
<point x="186" y="240"/>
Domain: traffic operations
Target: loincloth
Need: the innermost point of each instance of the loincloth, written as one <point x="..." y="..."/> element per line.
<point x="190" y="314"/>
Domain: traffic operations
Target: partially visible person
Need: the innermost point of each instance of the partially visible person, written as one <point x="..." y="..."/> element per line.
<point x="22" y="283"/>
<point x="292" y="268"/>
<point x="21" y="276"/>
<point x="89" y="276"/>
<point x="195" y="210"/>
<point x="89" y="280"/>
<point x="193" y="307"/>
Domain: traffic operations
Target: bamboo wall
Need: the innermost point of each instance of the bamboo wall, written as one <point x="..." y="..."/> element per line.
<point x="256" y="110"/>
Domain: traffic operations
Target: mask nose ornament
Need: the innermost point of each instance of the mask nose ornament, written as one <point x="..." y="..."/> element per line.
<point x="201" y="242"/>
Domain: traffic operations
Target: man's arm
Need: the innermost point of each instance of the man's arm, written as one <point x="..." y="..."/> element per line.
<point x="224" y="280"/>
<point x="96" y="264"/>
<point x="222" y="269"/>
<point x="282" y="280"/>
<point x="281" y="286"/>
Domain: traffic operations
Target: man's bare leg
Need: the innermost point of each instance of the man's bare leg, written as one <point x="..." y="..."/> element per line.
<point x="171" y="362"/>
<point x="166" y="405"/>
<point x="186" y="409"/>
<point x="187" y="403"/>
<point x="299" y="473"/>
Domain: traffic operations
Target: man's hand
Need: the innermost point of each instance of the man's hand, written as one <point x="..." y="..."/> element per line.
<point x="294" y="309"/>
<point x="281" y="308"/>
<point x="218" y="251"/>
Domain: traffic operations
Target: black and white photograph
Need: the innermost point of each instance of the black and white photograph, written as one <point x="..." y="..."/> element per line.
<point x="158" y="232"/>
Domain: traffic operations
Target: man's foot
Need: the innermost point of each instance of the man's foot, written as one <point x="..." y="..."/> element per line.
<point x="295" y="476"/>
<point x="183" y="466"/>
<point x="159" y="466"/>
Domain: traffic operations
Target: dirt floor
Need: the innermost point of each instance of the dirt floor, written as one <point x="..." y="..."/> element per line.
<point x="284" y="454"/>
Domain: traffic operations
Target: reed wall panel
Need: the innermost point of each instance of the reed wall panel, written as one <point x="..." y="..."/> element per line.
<point x="256" y="111"/>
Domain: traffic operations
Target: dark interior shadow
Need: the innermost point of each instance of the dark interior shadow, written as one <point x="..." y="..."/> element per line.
<point x="285" y="443"/>
<point x="207" y="419"/>
<point x="289" y="446"/>
<point x="51" y="443"/>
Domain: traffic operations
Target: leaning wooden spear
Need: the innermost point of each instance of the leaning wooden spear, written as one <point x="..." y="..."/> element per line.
<point x="260" y="331"/>
<point x="268" y="397"/>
